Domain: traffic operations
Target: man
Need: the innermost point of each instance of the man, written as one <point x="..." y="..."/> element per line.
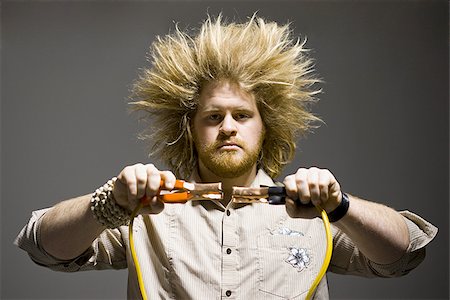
<point x="228" y="104"/>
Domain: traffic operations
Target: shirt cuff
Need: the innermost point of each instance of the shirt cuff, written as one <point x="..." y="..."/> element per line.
<point x="421" y="233"/>
<point x="29" y="239"/>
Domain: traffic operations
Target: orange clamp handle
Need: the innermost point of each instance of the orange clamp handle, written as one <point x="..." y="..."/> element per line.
<point x="176" y="197"/>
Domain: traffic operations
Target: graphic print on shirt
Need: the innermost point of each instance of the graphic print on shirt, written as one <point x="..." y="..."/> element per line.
<point x="287" y="258"/>
<point x="287" y="231"/>
<point x="299" y="258"/>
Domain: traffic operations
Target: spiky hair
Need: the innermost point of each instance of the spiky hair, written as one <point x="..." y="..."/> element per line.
<point x="262" y="57"/>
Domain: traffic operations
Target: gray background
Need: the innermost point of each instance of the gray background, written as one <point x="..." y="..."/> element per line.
<point x="67" y="68"/>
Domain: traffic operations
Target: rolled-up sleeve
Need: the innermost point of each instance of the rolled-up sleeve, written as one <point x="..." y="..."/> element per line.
<point x="106" y="252"/>
<point x="347" y="259"/>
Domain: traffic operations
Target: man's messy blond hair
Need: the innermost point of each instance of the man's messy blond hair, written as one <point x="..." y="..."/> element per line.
<point x="262" y="57"/>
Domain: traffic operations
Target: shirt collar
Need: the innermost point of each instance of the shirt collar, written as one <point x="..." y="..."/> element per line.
<point x="262" y="179"/>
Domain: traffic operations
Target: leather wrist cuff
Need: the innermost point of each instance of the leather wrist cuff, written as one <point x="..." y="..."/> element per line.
<point x="341" y="210"/>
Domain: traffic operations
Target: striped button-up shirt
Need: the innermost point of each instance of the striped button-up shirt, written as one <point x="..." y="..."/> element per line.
<point x="204" y="250"/>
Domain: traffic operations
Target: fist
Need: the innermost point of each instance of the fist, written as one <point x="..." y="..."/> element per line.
<point x="311" y="187"/>
<point x="138" y="181"/>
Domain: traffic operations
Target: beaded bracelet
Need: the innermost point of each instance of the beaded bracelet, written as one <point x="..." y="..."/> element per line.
<point x="105" y="208"/>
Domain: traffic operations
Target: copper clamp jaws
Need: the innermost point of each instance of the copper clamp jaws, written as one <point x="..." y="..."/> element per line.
<point x="263" y="194"/>
<point x="187" y="191"/>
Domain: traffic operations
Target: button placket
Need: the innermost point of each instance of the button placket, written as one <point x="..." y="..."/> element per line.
<point x="230" y="275"/>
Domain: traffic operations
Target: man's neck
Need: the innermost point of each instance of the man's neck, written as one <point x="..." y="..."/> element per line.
<point x="245" y="179"/>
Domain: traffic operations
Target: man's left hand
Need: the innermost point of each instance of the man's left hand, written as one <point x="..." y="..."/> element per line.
<point x="311" y="186"/>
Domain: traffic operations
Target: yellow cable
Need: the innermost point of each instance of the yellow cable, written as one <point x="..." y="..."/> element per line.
<point x="133" y="252"/>
<point x="328" y="253"/>
<point x="312" y="289"/>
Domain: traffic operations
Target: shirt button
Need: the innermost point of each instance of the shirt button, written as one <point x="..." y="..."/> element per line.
<point x="228" y="251"/>
<point x="228" y="213"/>
<point x="228" y="293"/>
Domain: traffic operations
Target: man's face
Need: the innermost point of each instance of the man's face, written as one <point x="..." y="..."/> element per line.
<point x="227" y="129"/>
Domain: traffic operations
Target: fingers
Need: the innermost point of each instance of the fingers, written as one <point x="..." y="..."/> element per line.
<point x="153" y="181"/>
<point x="297" y="186"/>
<point x="139" y="182"/>
<point x="169" y="180"/>
<point x="138" y="190"/>
<point x="316" y="186"/>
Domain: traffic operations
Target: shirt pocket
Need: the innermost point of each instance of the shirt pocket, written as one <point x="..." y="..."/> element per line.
<point x="287" y="265"/>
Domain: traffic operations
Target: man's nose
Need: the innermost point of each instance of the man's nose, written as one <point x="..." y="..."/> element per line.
<point x="228" y="126"/>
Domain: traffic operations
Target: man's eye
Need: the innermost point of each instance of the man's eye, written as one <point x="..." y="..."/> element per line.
<point x="214" y="117"/>
<point x="242" y="116"/>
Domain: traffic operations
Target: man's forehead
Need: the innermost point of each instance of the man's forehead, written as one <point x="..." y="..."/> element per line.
<point x="226" y="105"/>
<point x="219" y="95"/>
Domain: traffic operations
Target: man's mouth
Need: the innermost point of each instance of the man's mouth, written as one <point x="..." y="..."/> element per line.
<point x="229" y="146"/>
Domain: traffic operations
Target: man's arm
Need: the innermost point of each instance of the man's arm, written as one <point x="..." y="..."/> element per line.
<point x="69" y="228"/>
<point x="379" y="232"/>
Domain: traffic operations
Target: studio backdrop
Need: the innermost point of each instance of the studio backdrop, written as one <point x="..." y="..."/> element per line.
<point x="67" y="68"/>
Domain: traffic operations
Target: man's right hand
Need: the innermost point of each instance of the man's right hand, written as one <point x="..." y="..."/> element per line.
<point x="138" y="181"/>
